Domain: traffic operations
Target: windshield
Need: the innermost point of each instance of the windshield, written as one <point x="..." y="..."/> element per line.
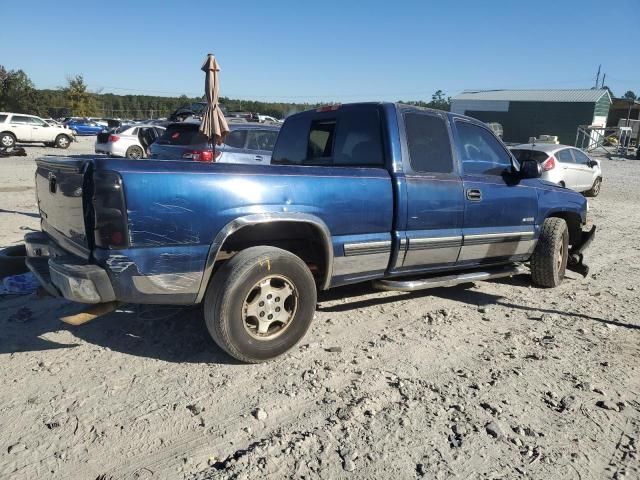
<point x="523" y="155"/>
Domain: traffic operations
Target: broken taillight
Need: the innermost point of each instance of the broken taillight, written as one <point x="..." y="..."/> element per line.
<point x="549" y="164"/>
<point x="110" y="213"/>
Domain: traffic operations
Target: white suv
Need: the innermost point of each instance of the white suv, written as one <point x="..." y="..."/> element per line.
<point x="16" y="127"/>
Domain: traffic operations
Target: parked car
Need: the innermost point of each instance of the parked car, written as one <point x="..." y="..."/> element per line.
<point x="16" y="127"/>
<point x="564" y="165"/>
<point x="355" y="193"/>
<point x="247" y="143"/>
<point x="130" y="141"/>
<point x="85" y="127"/>
<point x="269" y="119"/>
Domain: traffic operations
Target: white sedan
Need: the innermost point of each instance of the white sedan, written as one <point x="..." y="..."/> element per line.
<point x="564" y="165"/>
<point x="129" y="141"/>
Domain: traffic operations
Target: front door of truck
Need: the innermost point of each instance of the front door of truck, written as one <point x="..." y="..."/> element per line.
<point x="435" y="207"/>
<point x="499" y="211"/>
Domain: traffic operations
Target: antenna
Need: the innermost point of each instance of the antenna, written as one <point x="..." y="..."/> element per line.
<point x="604" y="75"/>
<point x="598" y="75"/>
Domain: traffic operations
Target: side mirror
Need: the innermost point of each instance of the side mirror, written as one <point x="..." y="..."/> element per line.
<point x="592" y="163"/>
<point x="530" y="169"/>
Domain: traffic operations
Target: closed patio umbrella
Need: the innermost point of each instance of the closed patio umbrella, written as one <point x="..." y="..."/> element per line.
<point x="213" y="126"/>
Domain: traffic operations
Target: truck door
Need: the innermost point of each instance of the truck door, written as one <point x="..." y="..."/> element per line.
<point x="435" y="205"/>
<point x="499" y="211"/>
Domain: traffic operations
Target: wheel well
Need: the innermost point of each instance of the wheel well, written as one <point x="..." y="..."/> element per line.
<point x="574" y="224"/>
<point x="10" y="133"/>
<point x="302" y="239"/>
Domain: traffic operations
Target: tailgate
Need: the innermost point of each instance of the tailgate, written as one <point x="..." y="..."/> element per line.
<point x="60" y="188"/>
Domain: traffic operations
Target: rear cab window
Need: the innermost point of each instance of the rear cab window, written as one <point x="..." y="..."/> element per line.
<point x="343" y="136"/>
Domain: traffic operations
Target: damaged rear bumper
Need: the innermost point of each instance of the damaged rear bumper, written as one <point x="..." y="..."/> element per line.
<point x="66" y="276"/>
<point x="575" y="262"/>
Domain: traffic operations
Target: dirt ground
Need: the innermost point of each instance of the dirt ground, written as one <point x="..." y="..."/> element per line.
<point x="492" y="380"/>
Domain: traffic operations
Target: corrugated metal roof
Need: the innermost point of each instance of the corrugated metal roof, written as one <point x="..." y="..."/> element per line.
<point x="575" y="95"/>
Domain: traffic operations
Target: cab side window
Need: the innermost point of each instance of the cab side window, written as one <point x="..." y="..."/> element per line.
<point x="481" y="152"/>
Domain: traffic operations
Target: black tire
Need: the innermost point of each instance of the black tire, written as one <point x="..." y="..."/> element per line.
<point x="232" y="286"/>
<point x="595" y="189"/>
<point x="12" y="261"/>
<point x="7" y="140"/>
<point x="549" y="259"/>
<point x="63" y="141"/>
<point x="134" y="152"/>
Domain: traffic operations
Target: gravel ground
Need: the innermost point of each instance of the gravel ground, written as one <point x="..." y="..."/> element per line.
<point x="492" y="380"/>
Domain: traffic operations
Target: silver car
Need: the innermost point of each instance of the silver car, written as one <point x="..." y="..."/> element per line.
<point x="130" y="141"/>
<point x="246" y="143"/>
<point x="564" y="165"/>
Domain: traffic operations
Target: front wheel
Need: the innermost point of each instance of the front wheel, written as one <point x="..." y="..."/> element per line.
<point x="62" y="141"/>
<point x="549" y="259"/>
<point x="595" y="189"/>
<point x="260" y="303"/>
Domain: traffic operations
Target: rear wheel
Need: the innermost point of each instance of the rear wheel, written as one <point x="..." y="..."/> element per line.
<point x="62" y="141"/>
<point x="595" y="189"/>
<point x="134" y="152"/>
<point x="7" y="140"/>
<point x="260" y="303"/>
<point x="549" y="259"/>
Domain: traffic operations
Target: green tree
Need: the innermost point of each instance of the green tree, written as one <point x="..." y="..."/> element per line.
<point x="17" y="92"/>
<point x="81" y="102"/>
<point x="440" y="101"/>
<point x="630" y="95"/>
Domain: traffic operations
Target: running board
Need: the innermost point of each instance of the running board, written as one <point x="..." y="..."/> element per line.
<point x="448" y="280"/>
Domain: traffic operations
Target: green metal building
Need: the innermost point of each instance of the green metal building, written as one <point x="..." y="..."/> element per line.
<point x="531" y="113"/>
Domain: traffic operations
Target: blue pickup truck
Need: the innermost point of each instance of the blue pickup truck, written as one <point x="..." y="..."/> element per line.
<point x="408" y="198"/>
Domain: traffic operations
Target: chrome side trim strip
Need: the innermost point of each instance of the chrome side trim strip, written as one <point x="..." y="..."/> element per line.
<point x="434" y="242"/>
<point x="501" y="235"/>
<point x="367" y="248"/>
<point x="497" y="238"/>
<point x="259" y="218"/>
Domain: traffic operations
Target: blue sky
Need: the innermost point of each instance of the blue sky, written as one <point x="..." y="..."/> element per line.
<point x="323" y="51"/>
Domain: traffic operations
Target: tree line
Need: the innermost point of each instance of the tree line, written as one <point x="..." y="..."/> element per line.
<point x="18" y="94"/>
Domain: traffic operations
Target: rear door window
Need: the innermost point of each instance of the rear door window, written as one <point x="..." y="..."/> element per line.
<point x="428" y="143"/>
<point x="236" y="139"/>
<point x="481" y="152"/>
<point x="20" y="120"/>
<point x="261" y="139"/>
<point x="3" y="118"/>
<point x="565" y="156"/>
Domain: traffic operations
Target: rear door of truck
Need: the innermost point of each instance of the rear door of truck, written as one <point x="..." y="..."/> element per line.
<point x="62" y="196"/>
<point x="431" y="236"/>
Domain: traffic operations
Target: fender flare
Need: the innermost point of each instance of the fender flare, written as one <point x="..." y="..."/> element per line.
<point x="261" y="218"/>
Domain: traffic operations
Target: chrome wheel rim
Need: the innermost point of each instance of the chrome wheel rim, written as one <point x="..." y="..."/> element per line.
<point x="7" y="141"/>
<point x="135" y="154"/>
<point x="63" y="142"/>
<point x="269" y="307"/>
<point x="596" y="187"/>
<point x="560" y="256"/>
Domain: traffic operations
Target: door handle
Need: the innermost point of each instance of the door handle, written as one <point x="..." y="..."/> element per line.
<point x="474" y="194"/>
<point x="259" y="158"/>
